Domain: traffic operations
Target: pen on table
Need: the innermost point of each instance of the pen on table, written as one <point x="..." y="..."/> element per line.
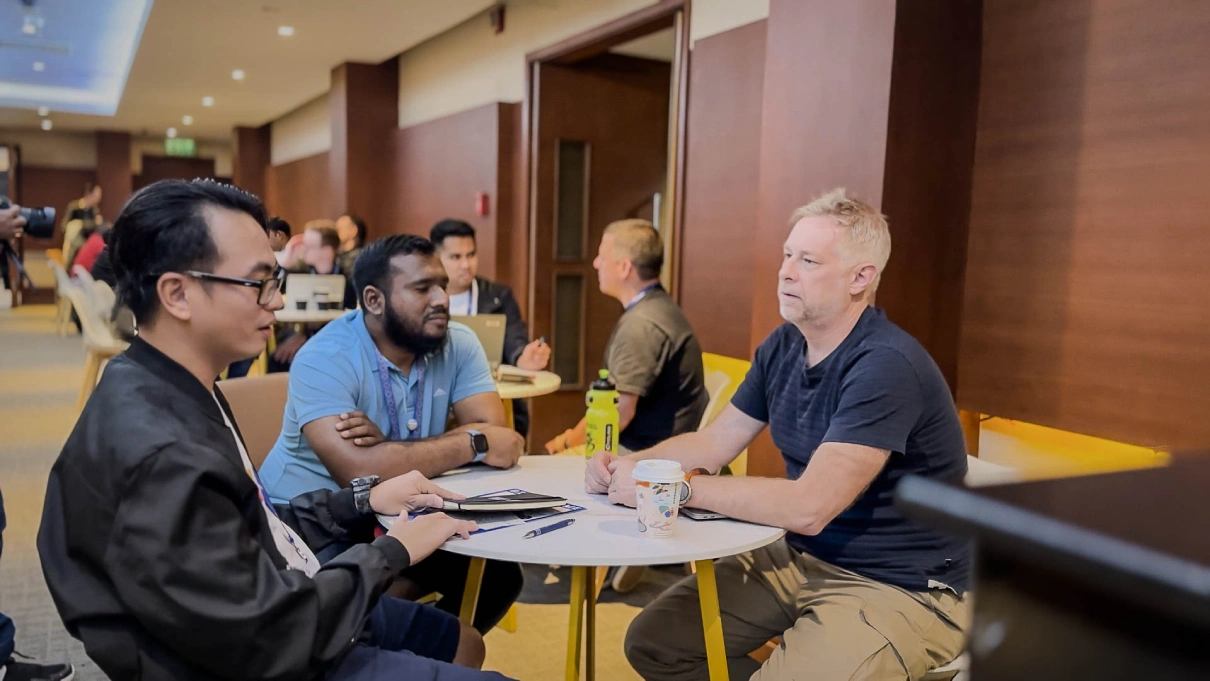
<point x="549" y="528"/>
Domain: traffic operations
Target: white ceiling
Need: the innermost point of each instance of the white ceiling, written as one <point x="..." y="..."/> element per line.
<point x="190" y="47"/>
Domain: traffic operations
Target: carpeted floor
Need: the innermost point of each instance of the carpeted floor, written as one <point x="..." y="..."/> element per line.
<point x="40" y="376"/>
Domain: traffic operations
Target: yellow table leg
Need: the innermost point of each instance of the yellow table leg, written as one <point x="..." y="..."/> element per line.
<point x="508" y="414"/>
<point x="470" y="595"/>
<point x="712" y="621"/>
<point x="579" y="584"/>
<point x="590" y="625"/>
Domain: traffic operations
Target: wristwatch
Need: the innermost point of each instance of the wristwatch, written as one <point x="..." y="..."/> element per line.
<point x="361" y="493"/>
<point x="478" y="445"/>
<point x="687" y="490"/>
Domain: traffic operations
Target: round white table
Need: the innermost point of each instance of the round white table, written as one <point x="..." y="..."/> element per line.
<point x="603" y="535"/>
<point x="544" y="383"/>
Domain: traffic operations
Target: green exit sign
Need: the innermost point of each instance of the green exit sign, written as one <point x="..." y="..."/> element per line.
<point x="180" y="146"/>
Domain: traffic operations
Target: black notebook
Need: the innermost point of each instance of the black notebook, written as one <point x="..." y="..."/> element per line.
<point x="505" y="501"/>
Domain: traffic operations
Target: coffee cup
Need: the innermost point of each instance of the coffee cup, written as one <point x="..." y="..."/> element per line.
<point x="657" y="484"/>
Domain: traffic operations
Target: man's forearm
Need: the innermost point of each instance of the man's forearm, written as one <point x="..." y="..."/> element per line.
<point x="431" y="457"/>
<point x="767" y="501"/>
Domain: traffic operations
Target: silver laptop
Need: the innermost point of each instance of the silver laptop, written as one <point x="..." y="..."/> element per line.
<point x="314" y="288"/>
<point x="490" y="330"/>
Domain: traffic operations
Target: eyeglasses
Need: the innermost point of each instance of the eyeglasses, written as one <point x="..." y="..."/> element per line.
<point x="268" y="287"/>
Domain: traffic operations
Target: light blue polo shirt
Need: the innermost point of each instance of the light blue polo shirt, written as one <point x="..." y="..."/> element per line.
<point x="336" y="372"/>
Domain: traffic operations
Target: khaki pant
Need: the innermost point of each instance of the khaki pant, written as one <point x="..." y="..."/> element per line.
<point x="834" y="624"/>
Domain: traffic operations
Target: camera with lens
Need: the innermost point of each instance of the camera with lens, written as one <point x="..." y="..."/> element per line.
<point x="39" y="222"/>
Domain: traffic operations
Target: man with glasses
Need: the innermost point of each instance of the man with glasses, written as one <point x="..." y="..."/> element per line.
<point x="159" y="544"/>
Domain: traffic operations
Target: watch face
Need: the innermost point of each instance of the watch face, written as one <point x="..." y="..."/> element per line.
<point x="479" y="442"/>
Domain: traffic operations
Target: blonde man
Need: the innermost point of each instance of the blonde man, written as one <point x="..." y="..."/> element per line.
<point x="854" y="404"/>
<point x="653" y="355"/>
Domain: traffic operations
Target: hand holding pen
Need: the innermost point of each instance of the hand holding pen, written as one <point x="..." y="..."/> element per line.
<point x="535" y="356"/>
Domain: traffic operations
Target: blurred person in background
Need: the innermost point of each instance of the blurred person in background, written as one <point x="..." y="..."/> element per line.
<point x="472" y="295"/>
<point x="352" y="232"/>
<point x="321" y="246"/>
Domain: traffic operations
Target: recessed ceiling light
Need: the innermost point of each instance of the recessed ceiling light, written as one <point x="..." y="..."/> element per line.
<point x="238" y="74"/>
<point x="187" y="120"/>
<point x="171" y="133"/>
<point x="43" y="111"/>
<point x="46" y="124"/>
<point x="29" y="28"/>
<point x="285" y="31"/>
<point x="207" y="101"/>
<point x="39" y="66"/>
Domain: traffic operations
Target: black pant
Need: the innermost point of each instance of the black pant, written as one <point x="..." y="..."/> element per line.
<point x="445" y="573"/>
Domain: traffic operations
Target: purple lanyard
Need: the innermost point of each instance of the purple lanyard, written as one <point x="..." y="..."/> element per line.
<point x="643" y="294"/>
<point x="388" y="394"/>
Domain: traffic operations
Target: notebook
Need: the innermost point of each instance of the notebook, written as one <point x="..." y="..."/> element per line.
<point x="498" y="519"/>
<point x="508" y="500"/>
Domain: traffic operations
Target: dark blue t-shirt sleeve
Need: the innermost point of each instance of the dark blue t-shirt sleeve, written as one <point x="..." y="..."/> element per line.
<point x="752" y="396"/>
<point x="880" y="402"/>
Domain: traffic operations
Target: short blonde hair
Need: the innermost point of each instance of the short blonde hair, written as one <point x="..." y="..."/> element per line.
<point x="639" y="241"/>
<point x="866" y="234"/>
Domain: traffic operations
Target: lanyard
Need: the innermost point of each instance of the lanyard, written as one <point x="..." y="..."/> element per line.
<point x="472" y="299"/>
<point x="643" y="294"/>
<point x="388" y="394"/>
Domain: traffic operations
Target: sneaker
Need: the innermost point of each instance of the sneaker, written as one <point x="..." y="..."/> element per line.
<point x="29" y="671"/>
<point x="625" y="579"/>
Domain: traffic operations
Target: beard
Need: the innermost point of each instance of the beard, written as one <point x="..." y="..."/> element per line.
<point x="410" y="335"/>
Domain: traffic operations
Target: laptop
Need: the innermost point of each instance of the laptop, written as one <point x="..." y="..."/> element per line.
<point x="312" y="288"/>
<point x="489" y="328"/>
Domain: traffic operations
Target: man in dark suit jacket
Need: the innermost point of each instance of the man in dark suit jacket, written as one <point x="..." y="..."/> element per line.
<point x="471" y="295"/>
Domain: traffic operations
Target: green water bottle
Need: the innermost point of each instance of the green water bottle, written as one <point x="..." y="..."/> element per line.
<point x="602" y="417"/>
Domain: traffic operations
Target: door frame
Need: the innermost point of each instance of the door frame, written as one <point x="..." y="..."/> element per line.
<point x="595" y="41"/>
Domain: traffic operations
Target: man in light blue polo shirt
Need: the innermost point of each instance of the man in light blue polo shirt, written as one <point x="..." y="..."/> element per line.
<point x="431" y="366"/>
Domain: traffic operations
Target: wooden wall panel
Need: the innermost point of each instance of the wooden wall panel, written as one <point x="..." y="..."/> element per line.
<point x="253" y="150"/>
<point x="1086" y="287"/>
<point x="929" y="158"/>
<point x="55" y="187"/>
<point x="156" y="168"/>
<point x="113" y="171"/>
<point x="512" y="231"/>
<point x="364" y="105"/>
<point x="726" y="77"/>
<point x="298" y="191"/>
<point x="823" y="125"/>
<point x="439" y="167"/>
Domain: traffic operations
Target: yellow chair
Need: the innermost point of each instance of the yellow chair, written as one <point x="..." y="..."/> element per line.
<point x="99" y="340"/>
<point x="723" y="377"/>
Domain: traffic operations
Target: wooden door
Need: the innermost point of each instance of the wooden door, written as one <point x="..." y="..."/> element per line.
<point x="600" y="145"/>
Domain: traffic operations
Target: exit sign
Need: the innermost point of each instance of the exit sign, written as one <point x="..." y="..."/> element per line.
<point x="180" y="146"/>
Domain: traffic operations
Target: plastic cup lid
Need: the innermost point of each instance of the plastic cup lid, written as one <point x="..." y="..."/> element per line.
<point x="659" y="470"/>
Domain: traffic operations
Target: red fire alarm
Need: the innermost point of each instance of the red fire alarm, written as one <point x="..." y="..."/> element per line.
<point x="481" y="204"/>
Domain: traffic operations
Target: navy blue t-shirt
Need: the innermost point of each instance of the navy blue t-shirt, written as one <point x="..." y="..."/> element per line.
<point x="880" y="389"/>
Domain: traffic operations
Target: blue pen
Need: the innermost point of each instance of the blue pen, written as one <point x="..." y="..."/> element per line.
<point x="549" y="528"/>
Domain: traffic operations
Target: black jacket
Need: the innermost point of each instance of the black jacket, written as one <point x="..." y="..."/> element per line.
<point x="158" y="553"/>
<point x="498" y="299"/>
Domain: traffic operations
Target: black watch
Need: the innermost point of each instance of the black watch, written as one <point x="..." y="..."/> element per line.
<point x="361" y="493"/>
<point x="478" y="445"/>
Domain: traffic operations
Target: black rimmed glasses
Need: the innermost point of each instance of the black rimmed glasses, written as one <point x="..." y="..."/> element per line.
<point x="267" y="287"/>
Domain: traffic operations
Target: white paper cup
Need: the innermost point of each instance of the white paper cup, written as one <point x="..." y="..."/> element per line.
<point x="657" y="485"/>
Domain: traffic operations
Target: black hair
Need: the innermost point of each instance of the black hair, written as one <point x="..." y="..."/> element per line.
<point x="276" y="224"/>
<point x="447" y="228"/>
<point x="162" y="228"/>
<point x="374" y="263"/>
<point x="361" y="228"/>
